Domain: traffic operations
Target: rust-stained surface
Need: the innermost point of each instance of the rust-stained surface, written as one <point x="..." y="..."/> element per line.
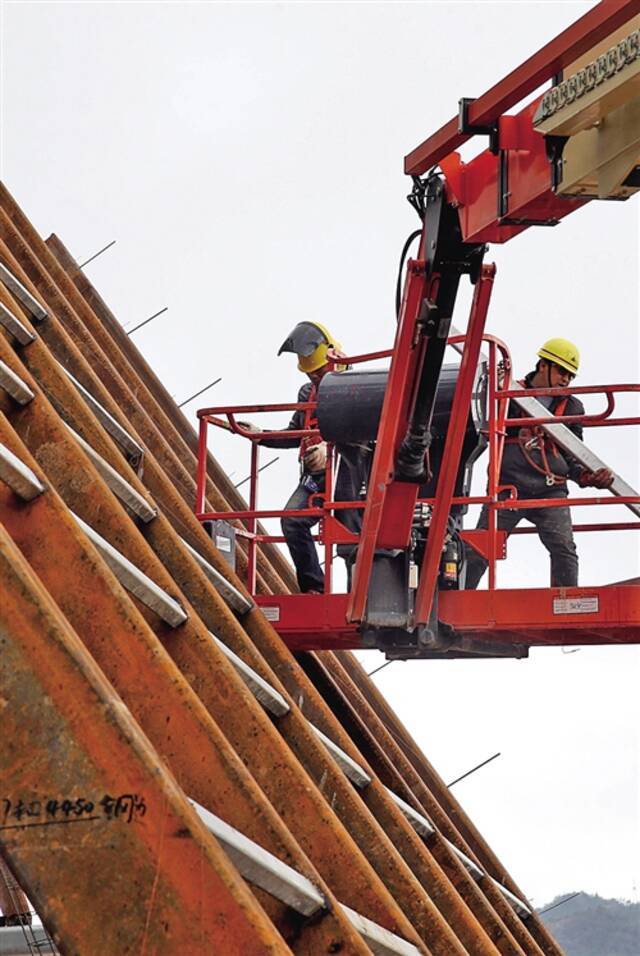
<point x="100" y="696"/>
<point x="67" y="737"/>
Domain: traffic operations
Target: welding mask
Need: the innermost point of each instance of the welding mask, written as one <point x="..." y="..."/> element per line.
<point x="311" y="342"/>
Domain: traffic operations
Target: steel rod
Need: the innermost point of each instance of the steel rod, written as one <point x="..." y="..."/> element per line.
<point x="95" y="255"/>
<point x="201" y="392"/>
<point x="473" y="770"/>
<point x="146" y="321"/>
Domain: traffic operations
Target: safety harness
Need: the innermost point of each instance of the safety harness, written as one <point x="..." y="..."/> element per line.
<point x="535" y="438"/>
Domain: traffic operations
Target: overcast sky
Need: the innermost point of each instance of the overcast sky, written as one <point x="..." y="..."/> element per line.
<point x="248" y="159"/>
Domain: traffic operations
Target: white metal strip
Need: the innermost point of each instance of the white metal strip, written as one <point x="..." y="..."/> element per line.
<point x="564" y="437"/>
<point x="14" y="385"/>
<point x="261" y="690"/>
<point x="119" y="486"/>
<point x="521" y="908"/>
<point x="19" y="331"/>
<point x="18" y="476"/>
<point x="473" y="868"/>
<point x="37" y="311"/>
<point x="115" y="429"/>
<point x="232" y="596"/>
<point x="134" y="580"/>
<point x="425" y="828"/>
<point x="419" y="823"/>
<point x="351" y="769"/>
<point x="381" y="941"/>
<point x="262" y="868"/>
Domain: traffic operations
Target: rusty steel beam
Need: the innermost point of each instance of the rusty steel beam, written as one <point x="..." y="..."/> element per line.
<point x="156" y="479"/>
<point x="94" y="370"/>
<point x="438" y="863"/>
<point x="95" y="342"/>
<point x="71" y="752"/>
<point x="20" y="255"/>
<point x="162" y="399"/>
<point x="444" y="841"/>
<point x="166" y="708"/>
<point x="249" y="730"/>
<point x="258" y="645"/>
<point x="443" y="808"/>
<point x="380" y="851"/>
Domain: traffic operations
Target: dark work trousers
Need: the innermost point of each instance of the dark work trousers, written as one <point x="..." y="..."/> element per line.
<point x="554" y="528"/>
<point x="297" y="531"/>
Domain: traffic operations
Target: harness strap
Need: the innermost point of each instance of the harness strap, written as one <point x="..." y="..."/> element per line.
<point x="536" y="437"/>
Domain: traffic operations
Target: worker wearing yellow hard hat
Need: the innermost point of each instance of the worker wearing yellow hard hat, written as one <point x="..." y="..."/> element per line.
<point x="561" y="352"/>
<point x="537" y="468"/>
<point x="315" y="347"/>
<point x="311" y="342"/>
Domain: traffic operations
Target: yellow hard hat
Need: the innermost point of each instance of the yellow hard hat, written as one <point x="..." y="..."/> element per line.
<point x="561" y="352"/>
<point x="310" y="341"/>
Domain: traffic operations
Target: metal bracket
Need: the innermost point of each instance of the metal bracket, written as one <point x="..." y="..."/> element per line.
<point x="503" y="195"/>
<point x="465" y="128"/>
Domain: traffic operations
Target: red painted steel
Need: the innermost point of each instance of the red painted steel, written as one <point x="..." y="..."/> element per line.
<point x="577" y="39"/>
<point x="476" y="186"/>
<point x="523" y="616"/>
<point x="253" y="524"/>
<point x="323" y="622"/>
<point x="381" y="527"/>
<point x="453" y="445"/>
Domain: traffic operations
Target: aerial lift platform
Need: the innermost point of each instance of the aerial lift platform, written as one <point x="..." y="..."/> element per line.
<point x="577" y="142"/>
<point x="230" y="800"/>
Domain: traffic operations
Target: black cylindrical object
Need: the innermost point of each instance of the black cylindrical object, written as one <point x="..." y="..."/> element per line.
<point x="350" y="404"/>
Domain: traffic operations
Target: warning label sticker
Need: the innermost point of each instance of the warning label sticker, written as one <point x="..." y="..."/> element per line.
<point x="582" y="605"/>
<point x="223" y="543"/>
<point x="271" y="613"/>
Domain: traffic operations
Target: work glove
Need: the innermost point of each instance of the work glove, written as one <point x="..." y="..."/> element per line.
<point x="602" y="478"/>
<point x="249" y="426"/>
<point x="315" y="457"/>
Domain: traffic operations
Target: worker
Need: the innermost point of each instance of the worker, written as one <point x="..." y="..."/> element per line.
<point x="537" y="468"/>
<point x="313" y="343"/>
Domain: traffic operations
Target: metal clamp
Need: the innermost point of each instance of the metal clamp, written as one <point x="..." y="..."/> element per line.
<point x="465" y="128"/>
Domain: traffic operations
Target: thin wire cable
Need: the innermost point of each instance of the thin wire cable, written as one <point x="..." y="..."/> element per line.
<point x="561" y="903"/>
<point x="376" y="669"/>
<point x="473" y="770"/>
<point x="205" y="389"/>
<point x="146" y="321"/>
<point x="262" y="468"/>
<point x="95" y="256"/>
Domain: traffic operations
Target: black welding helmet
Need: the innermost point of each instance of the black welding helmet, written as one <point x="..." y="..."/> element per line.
<point x="311" y="342"/>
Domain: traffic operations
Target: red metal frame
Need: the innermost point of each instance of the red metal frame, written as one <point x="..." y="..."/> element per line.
<point x="497" y="195"/>
<point x="577" y="39"/>
<point x="387" y="519"/>
<point x="322" y="621"/>
<point x="453" y="446"/>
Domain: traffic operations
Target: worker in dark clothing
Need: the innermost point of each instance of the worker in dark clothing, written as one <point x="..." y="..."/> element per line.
<point x="311" y="342"/>
<point x="537" y="468"/>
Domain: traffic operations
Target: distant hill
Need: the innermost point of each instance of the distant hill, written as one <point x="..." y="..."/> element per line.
<point x="591" y="926"/>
